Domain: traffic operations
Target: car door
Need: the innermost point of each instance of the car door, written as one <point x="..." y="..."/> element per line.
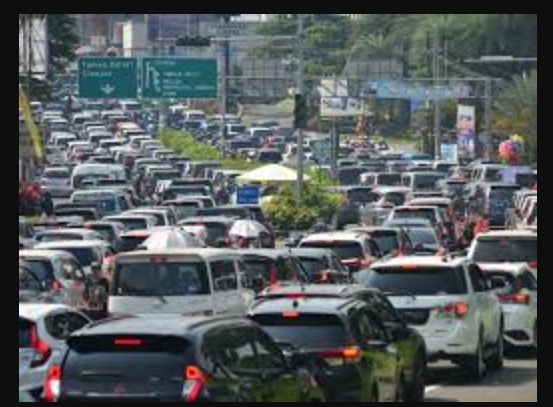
<point x="231" y="356"/>
<point x="226" y="288"/>
<point x="486" y="302"/>
<point x="380" y="356"/>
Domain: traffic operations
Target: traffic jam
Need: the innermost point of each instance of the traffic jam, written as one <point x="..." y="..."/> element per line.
<point x="145" y="276"/>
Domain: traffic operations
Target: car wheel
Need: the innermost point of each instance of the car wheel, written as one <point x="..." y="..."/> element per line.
<point x="497" y="360"/>
<point x="415" y="393"/>
<point x="476" y="366"/>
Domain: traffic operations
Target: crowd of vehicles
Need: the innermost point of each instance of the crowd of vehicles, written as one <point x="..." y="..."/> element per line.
<point x="187" y="307"/>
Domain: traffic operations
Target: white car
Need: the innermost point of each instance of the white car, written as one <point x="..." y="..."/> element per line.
<point x="450" y="302"/>
<point x="518" y="292"/>
<point x="507" y="246"/>
<point x="43" y="330"/>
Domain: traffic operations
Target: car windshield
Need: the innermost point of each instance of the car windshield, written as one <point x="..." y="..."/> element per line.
<point x="149" y="279"/>
<point x="423" y="281"/>
<point x="344" y="250"/>
<point x="308" y="332"/>
<point x="416" y="213"/>
<point x="507" y="250"/>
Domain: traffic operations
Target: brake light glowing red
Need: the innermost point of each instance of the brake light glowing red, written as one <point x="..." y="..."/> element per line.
<point x="534" y="265"/>
<point x="461" y="309"/>
<point x="194" y="385"/>
<point x="454" y="310"/>
<point x="52" y="387"/>
<point x="352" y="354"/>
<point x="41" y="348"/>
<point x="290" y="314"/>
<point x="521" y="299"/>
<point x="129" y="343"/>
<point x="56" y="286"/>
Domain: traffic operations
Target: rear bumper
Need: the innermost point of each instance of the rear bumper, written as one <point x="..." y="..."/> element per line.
<point x="461" y="339"/>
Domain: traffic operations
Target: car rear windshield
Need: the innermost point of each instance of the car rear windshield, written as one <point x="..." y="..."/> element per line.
<point x="507" y="250"/>
<point x="426" y="182"/>
<point x="127" y="366"/>
<point x="42" y="269"/>
<point x="391" y="180"/>
<point x="134" y="224"/>
<point x="313" y="266"/>
<point x="268" y="269"/>
<point x="85" y="256"/>
<point x="59" y="237"/>
<point x="344" y="250"/>
<point x="25" y="334"/>
<point x="306" y="332"/>
<point x="130" y="243"/>
<point x="149" y="279"/>
<point x="105" y="231"/>
<point x="107" y="202"/>
<point x="388" y="242"/>
<point x="423" y="281"/>
<point x="416" y="213"/>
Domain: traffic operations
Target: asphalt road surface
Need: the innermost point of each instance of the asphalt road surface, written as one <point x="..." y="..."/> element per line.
<point x="517" y="383"/>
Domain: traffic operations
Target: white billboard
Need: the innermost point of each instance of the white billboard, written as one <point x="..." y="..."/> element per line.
<point x="335" y="100"/>
<point x="33" y="48"/>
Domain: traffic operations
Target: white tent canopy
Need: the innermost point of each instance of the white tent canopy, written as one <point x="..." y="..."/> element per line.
<point x="170" y="238"/>
<point x="271" y="173"/>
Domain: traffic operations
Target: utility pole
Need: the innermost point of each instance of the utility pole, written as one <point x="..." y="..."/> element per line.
<point x="437" y="103"/>
<point x="488" y="119"/>
<point x="301" y="91"/>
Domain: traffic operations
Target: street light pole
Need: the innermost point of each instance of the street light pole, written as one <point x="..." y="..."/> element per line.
<point x="301" y="91"/>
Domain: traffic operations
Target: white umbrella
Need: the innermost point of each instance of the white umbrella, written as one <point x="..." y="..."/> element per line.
<point x="170" y="238"/>
<point x="271" y="173"/>
<point x="248" y="229"/>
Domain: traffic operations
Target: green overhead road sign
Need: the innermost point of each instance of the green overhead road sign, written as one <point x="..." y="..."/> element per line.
<point x="108" y="78"/>
<point x="178" y="78"/>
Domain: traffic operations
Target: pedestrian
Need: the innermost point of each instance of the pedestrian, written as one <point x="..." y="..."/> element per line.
<point x="482" y="225"/>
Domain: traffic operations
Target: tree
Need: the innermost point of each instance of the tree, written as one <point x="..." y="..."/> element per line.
<point x="63" y="40"/>
<point x="517" y="111"/>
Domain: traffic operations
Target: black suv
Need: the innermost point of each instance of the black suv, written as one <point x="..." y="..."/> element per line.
<point x="346" y="345"/>
<point x="410" y="343"/>
<point x="176" y="359"/>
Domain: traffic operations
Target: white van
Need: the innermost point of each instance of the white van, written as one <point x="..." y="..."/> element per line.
<point x="189" y="282"/>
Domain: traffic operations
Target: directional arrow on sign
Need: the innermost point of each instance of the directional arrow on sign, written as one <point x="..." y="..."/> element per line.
<point x="108" y="89"/>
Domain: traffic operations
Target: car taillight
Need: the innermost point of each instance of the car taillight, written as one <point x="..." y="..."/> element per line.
<point x="52" y="387"/>
<point x="41" y="348"/>
<point x="534" y="265"/>
<point x="456" y="310"/>
<point x="340" y="356"/>
<point x="365" y="263"/>
<point x="521" y="299"/>
<point x="56" y="286"/>
<point x="194" y="384"/>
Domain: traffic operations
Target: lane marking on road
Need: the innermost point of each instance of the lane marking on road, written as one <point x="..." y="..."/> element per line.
<point x="432" y="389"/>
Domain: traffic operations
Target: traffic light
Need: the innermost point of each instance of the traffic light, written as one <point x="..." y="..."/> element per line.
<point x="301" y="114"/>
<point x="194" y="41"/>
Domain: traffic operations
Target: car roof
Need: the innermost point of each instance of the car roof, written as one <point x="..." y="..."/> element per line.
<point x="204" y="253"/>
<point x="35" y="312"/>
<point x="207" y="219"/>
<point x="80" y="244"/>
<point x="314" y="306"/>
<point x="511" y="268"/>
<point x="159" y="325"/>
<point x="421" y="261"/>
<point x="334" y="237"/>
<point x="498" y="234"/>
<point x="313" y="253"/>
<point x="270" y="253"/>
<point x="323" y="290"/>
<point x="43" y="254"/>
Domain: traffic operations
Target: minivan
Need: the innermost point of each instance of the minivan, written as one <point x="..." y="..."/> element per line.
<point x="188" y="282"/>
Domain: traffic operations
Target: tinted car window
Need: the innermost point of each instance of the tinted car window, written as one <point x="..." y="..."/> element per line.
<point x="307" y="332"/>
<point x="84" y="256"/>
<point x="162" y="279"/>
<point x="272" y="270"/>
<point x="224" y="276"/>
<point x="387" y="242"/>
<point x="506" y="250"/>
<point x="61" y="326"/>
<point x="25" y="334"/>
<point x="43" y="270"/>
<point x="418" y="281"/>
<point x="344" y="250"/>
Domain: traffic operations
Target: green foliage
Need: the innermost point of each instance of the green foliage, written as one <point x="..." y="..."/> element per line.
<point x="517" y="111"/>
<point x="63" y="40"/>
<point x="188" y="146"/>
<point x="317" y="204"/>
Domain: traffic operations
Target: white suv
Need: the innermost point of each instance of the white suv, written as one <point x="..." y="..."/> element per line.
<point x="451" y="304"/>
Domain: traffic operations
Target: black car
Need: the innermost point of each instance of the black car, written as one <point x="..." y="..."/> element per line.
<point x="346" y="344"/>
<point x="410" y="343"/>
<point x="176" y="359"/>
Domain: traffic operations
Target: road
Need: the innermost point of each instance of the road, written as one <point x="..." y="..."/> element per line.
<point x="517" y="383"/>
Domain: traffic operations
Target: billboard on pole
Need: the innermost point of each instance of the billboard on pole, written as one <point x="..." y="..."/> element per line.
<point x="335" y="100"/>
<point x="466" y="131"/>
